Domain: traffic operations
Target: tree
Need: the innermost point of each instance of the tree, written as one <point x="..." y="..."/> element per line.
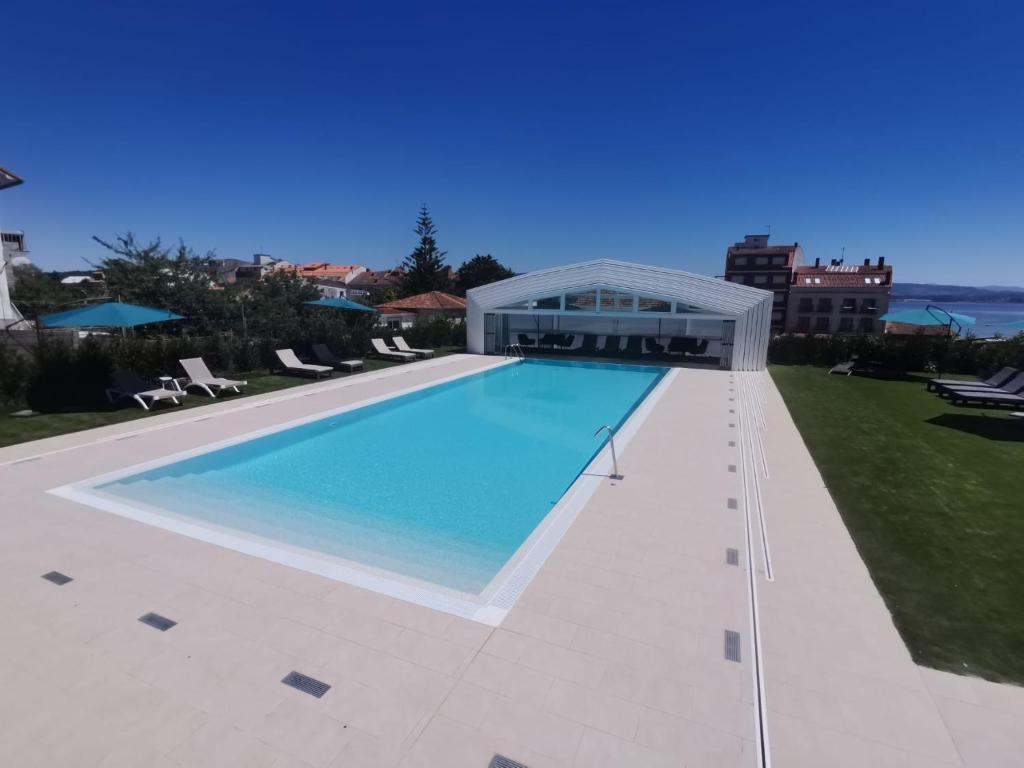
<point x="36" y="293"/>
<point x="425" y="267"/>
<point x="274" y="308"/>
<point x="152" y="275"/>
<point x="481" y="270"/>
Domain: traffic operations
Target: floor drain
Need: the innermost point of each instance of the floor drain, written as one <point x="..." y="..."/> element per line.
<point x="732" y="467"/>
<point x="500" y="761"/>
<point x="733" y="504"/>
<point x="306" y="684"/>
<point x="732" y="556"/>
<point x="157" y="621"/>
<point x="732" y="443"/>
<point x="57" y="578"/>
<point x="732" y="645"/>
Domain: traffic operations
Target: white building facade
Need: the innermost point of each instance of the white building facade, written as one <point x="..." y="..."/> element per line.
<point x="13" y="253"/>
<point x="617" y="309"/>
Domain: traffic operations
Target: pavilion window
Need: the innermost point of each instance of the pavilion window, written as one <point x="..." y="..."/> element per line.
<point x="616" y="301"/>
<point x="584" y="301"/>
<point x="650" y="304"/>
<point x="548" y="302"/>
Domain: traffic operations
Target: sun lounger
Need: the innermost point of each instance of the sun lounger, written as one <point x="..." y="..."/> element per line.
<point x="846" y="368"/>
<point x="401" y="346"/>
<point x="653" y="346"/>
<point x="322" y="353"/>
<point x="291" y="364"/>
<point x="589" y="345"/>
<point x="199" y="376"/>
<point x="126" y="385"/>
<point x="982" y="396"/>
<point x="390" y="354"/>
<point x="1012" y="387"/>
<point x="634" y="346"/>
<point x="612" y="344"/>
<point x="996" y="380"/>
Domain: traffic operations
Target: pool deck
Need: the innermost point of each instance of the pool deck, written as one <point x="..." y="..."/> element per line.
<point x="613" y="656"/>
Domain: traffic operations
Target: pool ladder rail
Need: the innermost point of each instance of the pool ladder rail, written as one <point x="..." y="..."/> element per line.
<point x="611" y="441"/>
<point x="514" y="350"/>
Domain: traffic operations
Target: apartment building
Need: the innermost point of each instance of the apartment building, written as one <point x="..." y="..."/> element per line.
<point x="839" y="298"/>
<point x="769" y="267"/>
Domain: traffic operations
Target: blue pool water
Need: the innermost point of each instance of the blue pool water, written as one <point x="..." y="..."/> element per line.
<point x="442" y="485"/>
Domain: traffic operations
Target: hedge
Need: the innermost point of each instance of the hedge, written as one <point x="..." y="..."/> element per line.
<point x="59" y="376"/>
<point x="906" y="353"/>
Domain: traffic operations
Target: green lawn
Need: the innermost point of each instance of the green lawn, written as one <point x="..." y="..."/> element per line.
<point x="19" y="430"/>
<point x="933" y="496"/>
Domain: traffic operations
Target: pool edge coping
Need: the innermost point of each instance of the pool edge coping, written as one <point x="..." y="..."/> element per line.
<point x="493" y="602"/>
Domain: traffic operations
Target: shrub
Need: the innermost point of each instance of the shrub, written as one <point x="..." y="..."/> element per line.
<point x="16" y="369"/>
<point x="435" y="332"/>
<point x="69" y="378"/>
<point x="910" y="353"/>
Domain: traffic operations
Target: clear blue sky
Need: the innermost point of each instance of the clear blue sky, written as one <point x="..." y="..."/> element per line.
<point x="651" y="132"/>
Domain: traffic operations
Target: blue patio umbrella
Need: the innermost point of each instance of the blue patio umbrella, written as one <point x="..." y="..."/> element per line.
<point x="111" y="314"/>
<point x="930" y="315"/>
<point x="340" y="304"/>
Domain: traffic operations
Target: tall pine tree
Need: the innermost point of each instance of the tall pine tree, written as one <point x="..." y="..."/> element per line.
<point x="425" y="267"/>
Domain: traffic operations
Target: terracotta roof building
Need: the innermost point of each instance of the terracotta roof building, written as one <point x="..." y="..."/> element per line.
<point x="326" y="270"/>
<point x="370" y="280"/>
<point x="839" y="298"/>
<point x="404" y="312"/>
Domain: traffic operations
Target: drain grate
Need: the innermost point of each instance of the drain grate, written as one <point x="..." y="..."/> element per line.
<point x="732" y="443"/>
<point x="57" y="578"/>
<point x="157" y="621"/>
<point x="733" y="504"/>
<point x="500" y="761"/>
<point x="732" y="556"/>
<point x="732" y="467"/>
<point x="732" y="645"/>
<point x="306" y="684"/>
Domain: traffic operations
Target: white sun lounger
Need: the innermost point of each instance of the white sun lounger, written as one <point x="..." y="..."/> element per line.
<point x="130" y="385"/>
<point x="390" y="354"/>
<point x="199" y="376"/>
<point x="291" y="363"/>
<point x="403" y="347"/>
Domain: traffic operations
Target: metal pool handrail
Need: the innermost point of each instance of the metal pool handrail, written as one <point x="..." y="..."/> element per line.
<point x="615" y="462"/>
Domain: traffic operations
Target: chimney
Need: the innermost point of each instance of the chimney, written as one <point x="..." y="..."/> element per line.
<point x="817" y="262"/>
<point x="881" y="261"/>
<point x="867" y="262"/>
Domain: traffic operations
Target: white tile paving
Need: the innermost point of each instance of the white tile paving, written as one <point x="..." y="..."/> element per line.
<point x="612" y="657"/>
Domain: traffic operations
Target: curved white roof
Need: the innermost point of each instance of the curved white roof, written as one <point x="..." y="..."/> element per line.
<point x="717" y="296"/>
<point x="747" y="310"/>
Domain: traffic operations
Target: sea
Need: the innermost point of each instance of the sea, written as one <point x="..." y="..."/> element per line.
<point x="993" y="319"/>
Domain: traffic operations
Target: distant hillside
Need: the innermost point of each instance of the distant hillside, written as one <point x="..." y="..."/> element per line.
<point x="933" y="292"/>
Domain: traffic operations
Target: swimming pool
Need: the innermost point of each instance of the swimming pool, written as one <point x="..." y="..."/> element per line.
<point x="438" y="488"/>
